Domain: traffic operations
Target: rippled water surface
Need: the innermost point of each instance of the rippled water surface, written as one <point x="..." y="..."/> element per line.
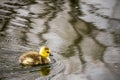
<point x="83" y="35"/>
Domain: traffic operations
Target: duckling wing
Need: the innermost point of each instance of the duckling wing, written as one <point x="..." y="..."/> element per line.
<point x="30" y="58"/>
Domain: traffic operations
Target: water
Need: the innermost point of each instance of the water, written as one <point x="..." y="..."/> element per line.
<point x="83" y="36"/>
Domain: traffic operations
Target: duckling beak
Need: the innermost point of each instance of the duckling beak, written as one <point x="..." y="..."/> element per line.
<point x="51" y="55"/>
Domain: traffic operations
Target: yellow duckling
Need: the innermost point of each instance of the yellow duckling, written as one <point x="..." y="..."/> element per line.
<point x="34" y="58"/>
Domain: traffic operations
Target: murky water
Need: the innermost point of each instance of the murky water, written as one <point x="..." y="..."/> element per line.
<point x="83" y="35"/>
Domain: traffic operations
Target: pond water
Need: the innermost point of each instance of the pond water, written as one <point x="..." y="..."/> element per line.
<point x="83" y="35"/>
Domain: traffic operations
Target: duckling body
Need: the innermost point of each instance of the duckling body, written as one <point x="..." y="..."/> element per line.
<point x="35" y="58"/>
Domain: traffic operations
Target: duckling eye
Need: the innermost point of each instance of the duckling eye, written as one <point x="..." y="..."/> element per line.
<point x="48" y="52"/>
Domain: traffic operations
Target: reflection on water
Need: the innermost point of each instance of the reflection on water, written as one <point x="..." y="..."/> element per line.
<point x="44" y="71"/>
<point x="81" y="50"/>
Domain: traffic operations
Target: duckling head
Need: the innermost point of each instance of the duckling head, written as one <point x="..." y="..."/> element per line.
<point x="45" y="52"/>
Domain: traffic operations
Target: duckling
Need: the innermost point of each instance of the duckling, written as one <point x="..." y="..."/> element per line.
<point x="34" y="58"/>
